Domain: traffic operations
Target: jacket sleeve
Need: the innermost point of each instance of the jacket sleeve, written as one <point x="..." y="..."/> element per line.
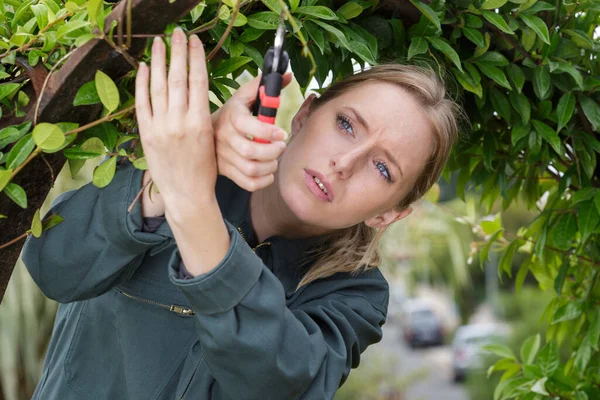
<point x="98" y="245"/>
<point x="253" y="344"/>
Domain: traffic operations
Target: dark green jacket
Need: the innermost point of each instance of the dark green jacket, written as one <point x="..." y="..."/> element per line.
<point x="129" y="328"/>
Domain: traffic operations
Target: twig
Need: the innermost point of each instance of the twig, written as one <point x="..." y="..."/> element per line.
<point x="28" y="44"/>
<point x="226" y="33"/>
<point x="39" y="100"/>
<point x="49" y="167"/>
<point x="138" y="196"/>
<point x="15" y="240"/>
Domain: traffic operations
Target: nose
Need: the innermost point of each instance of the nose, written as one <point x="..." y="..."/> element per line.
<point x="344" y="163"/>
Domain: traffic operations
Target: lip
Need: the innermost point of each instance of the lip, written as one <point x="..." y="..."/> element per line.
<point x="324" y="181"/>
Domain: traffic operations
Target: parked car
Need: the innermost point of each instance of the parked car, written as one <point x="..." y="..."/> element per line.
<point x="467" y="352"/>
<point x="420" y="325"/>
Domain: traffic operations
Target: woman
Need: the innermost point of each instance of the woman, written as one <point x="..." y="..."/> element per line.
<point x="263" y="292"/>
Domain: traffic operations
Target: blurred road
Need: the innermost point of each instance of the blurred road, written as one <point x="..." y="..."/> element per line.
<point x="431" y="367"/>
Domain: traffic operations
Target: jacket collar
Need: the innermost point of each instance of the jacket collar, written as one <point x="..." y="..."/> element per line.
<point x="289" y="256"/>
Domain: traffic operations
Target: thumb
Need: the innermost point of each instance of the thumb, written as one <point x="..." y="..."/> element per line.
<point x="247" y="92"/>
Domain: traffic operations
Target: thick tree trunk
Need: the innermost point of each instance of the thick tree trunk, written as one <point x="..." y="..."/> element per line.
<point x="148" y="17"/>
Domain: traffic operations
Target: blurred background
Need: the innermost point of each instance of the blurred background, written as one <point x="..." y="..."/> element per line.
<point x="444" y="303"/>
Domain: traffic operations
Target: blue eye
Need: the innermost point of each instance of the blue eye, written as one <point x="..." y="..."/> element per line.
<point x="383" y="169"/>
<point x="344" y="123"/>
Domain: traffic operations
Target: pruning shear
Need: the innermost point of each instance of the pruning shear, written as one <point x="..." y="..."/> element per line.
<point x="274" y="66"/>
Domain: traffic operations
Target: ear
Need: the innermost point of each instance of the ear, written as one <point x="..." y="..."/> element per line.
<point x="302" y="113"/>
<point x="382" y="220"/>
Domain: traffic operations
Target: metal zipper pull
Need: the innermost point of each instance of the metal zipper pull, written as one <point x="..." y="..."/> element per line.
<point x="181" y="310"/>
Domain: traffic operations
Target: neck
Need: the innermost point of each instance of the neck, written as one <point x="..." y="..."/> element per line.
<point x="272" y="217"/>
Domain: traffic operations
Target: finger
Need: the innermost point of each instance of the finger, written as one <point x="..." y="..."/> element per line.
<point x="287" y="78"/>
<point x="158" y="81"/>
<point x="198" y="104"/>
<point x="178" y="79"/>
<point x="250" y="150"/>
<point x="250" y="184"/>
<point x="248" y="126"/>
<point x="254" y="169"/>
<point x="143" y="109"/>
<point x="247" y="92"/>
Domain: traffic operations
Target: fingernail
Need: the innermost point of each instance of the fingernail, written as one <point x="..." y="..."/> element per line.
<point x="157" y="39"/>
<point x="194" y="41"/>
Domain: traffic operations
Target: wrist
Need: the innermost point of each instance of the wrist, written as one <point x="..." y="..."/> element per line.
<point x="181" y="210"/>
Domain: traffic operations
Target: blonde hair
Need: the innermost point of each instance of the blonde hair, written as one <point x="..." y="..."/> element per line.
<point x="355" y="249"/>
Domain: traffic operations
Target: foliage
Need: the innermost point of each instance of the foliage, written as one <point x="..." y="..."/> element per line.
<point x="526" y="70"/>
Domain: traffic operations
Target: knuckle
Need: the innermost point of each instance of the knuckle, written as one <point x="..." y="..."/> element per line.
<point x="178" y="82"/>
<point x="251" y="169"/>
<point x="246" y="150"/>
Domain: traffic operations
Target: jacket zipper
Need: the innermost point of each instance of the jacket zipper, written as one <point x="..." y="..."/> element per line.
<point x="191" y="378"/>
<point x="181" y="310"/>
<point x="253" y="248"/>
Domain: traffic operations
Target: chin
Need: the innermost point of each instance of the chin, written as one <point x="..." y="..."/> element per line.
<point x="300" y="201"/>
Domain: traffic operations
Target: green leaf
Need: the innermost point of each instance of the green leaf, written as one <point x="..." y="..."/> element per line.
<point x="107" y="91"/>
<point x="541" y="82"/>
<point x="52" y="222"/>
<point x="36" y="224"/>
<point x="588" y="218"/>
<point x="106" y="132"/>
<point x="140" y="163"/>
<point x="197" y="11"/>
<point x="445" y="48"/>
<point x="597" y="201"/>
<point x="48" y="136"/>
<point x="251" y="34"/>
<point x="75" y="166"/>
<point x="76" y="153"/>
<point x="230" y="65"/>
<point x="529" y="349"/>
<point x="264" y="20"/>
<point x="94" y="9"/>
<point x="492" y="4"/>
<point x="316" y="35"/>
<point x="362" y="51"/>
<point x="565" y="109"/>
<point x="418" y="45"/>
<point x="497" y="21"/>
<point x="350" y="10"/>
<point x="505" y="263"/>
<point x="537" y="25"/>
<point x="87" y="95"/>
<point x="521" y="105"/>
<point x="428" y="13"/>
<point x="591" y="109"/>
<point x="104" y="173"/>
<point x="539" y="386"/>
<point x="41" y="14"/>
<point x="320" y="12"/>
<point x="494" y="58"/>
<point x="560" y="278"/>
<point x="20" y="152"/>
<point x="294" y="4"/>
<point x="16" y="194"/>
<point x="7" y="89"/>
<point x="495" y="74"/>
<point x="562" y="66"/>
<point x="548" y="359"/>
<point x="501" y="104"/>
<point x="548" y="134"/>
<point x="580" y="38"/>
<point x="518" y="132"/>
<point x="583" y="355"/>
<point x="564" y="231"/>
<point x="5" y="178"/>
<point x="334" y="31"/>
<point x="499" y="349"/>
<point x="10" y="134"/>
<point x="567" y="312"/>
<point x="70" y="27"/>
<point x="468" y="83"/>
<point x="474" y="36"/>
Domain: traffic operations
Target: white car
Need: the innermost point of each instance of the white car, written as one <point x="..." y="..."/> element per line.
<point x="467" y="354"/>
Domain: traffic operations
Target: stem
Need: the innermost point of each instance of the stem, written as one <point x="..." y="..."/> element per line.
<point x="15" y="240"/>
<point x="226" y="33"/>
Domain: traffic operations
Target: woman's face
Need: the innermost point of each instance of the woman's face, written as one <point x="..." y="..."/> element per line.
<point x="368" y="146"/>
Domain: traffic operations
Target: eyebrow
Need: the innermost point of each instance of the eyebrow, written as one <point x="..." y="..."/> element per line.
<point x="362" y="121"/>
